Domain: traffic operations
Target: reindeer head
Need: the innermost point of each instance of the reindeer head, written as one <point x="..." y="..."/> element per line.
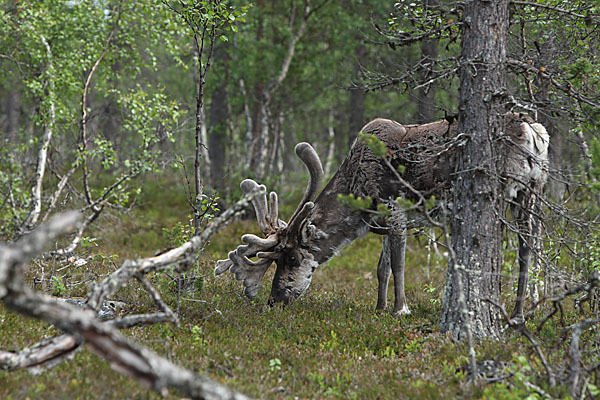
<point x="284" y="243"/>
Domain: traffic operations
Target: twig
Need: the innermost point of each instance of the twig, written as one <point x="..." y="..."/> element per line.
<point x="520" y="327"/>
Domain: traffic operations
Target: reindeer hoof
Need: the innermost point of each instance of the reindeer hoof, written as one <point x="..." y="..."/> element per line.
<point x="401" y="311"/>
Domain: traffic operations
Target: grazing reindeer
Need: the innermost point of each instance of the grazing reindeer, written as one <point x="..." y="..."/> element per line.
<point x="320" y="228"/>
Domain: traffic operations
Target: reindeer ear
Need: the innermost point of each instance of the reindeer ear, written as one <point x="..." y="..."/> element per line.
<point x="307" y="232"/>
<point x="541" y="138"/>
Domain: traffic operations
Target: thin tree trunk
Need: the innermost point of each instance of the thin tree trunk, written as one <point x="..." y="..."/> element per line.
<point x="200" y="131"/>
<point x="256" y="143"/>
<point x="357" y="98"/>
<point x="249" y="126"/>
<point x="476" y="230"/>
<point x="262" y="158"/>
<point x="218" y="126"/>
<point x="276" y="149"/>
<point x="198" y="184"/>
<point x="36" y="192"/>
<point x="13" y="102"/>
<point x="555" y="187"/>
<point x="280" y="147"/>
<point x="258" y="162"/>
<point x="331" y="148"/>
<point x="426" y="94"/>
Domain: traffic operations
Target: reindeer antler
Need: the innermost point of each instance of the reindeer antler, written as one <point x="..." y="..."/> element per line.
<point x="276" y="231"/>
<point x="309" y="156"/>
<point x="239" y="262"/>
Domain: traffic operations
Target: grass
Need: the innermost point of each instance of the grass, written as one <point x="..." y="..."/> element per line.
<point x="328" y="344"/>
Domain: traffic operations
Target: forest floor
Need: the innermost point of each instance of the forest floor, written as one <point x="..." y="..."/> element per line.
<point x="330" y="343"/>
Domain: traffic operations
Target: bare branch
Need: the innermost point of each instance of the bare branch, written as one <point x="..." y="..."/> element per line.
<point x="42" y="354"/>
<point x="567" y="89"/>
<point x="547" y="7"/>
<point x="123" y="354"/>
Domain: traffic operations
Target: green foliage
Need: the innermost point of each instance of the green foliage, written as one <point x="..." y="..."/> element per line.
<point x="274" y="365"/>
<point x="71" y="52"/>
<point x="591" y="260"/>
<point x="383" y="210"/>
<point x="378" y="148"/>
<point x="177" y="235"/>
<point x="404" y="203"/>
<point x="216" y="15"/>
<point x="355" y="203"/>
<point x="595" y="169"/>
<point x="209" y="206"/>
<point x="198" y="335"/>
<point x="430" y="203"/>
<point x="363" y="204"/>
<point x="15" y="186"/>
<point x="58" y="287"/>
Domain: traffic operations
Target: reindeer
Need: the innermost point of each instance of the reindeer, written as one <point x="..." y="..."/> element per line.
<point x="321" y="226"/>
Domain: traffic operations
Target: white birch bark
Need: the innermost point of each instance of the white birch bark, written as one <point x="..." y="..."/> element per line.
<point x="36" y="192"/>
<point x="331" y="148"/>
<point x="274" y="85"/>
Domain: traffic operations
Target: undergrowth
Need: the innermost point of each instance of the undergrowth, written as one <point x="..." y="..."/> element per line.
<point x="328" y="344"/>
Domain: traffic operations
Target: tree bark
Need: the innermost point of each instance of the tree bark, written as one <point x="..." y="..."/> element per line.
<point x="256" y="143"/>
<point x="476" y="229"/>
<point x="426" y="94"/>
<point x="13" y="103"/>
<point x="36" y="191"/>
<point x="331" y="147"/>
<point x="218" y="125"/>
<point x="264" y="94"/>
<point x="200" y="130"/>
<point x="356" y="106"/>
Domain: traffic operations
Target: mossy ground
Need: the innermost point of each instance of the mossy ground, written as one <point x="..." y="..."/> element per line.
<point x="328" y="344"/>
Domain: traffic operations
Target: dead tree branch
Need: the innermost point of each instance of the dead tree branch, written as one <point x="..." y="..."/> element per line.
<point x="84" y="326"/>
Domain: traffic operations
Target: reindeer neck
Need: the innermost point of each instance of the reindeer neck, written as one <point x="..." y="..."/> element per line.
<point x="336" y="226"/>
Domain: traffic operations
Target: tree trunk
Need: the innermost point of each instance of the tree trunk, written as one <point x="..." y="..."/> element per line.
<point x="259" y="161"/>
<point x="218" y="125"/>
<point x="357" y="97"/>
<point x="556" y="188"/>
<point x="426" y="94"/>
<point x="13" y="99"/>
<point x="476" y="229"/>
<point x="13" y="103"/>
<point x="36" y="191"/>
<point x="331" y="147"/>
<point x="257" y="143"/>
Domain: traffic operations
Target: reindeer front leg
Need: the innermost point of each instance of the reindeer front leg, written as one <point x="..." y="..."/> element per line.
<point x="392" y="259"/>
<point x="524" y="222"/>
<point x="384" y="270"/>
<point x="397" y="261"/>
